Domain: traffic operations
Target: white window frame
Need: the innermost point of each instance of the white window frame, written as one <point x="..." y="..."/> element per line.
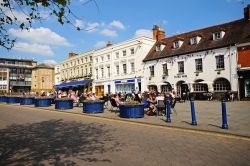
<point x="180" y="68"/>
<point x="132" y="51"/>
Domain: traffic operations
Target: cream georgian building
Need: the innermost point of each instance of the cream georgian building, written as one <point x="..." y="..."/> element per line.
<point x="197" y="62"/>
<point x="57" y="75"/>
<point x="119" y="67"/>
<point x="76" y="67"/>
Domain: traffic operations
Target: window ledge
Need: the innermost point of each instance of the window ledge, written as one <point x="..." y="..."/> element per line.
<point x="219" y="69"/>
<point x="198" y="72"/>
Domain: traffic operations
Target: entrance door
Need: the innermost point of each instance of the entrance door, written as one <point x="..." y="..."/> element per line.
<point x="99" y="90"/>
<point x="247" y="87"/>
<point x="108" y="89"/>
<point x="181" y="88"/>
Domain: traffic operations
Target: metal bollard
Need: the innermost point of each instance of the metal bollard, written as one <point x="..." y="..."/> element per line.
<point x="224" y="113"/>
<point x="193" y="112"/>
<point x="168" y="119"/>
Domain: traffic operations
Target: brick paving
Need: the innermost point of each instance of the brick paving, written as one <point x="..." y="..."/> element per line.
<point x="208" y="115"/>
<point x="38" y="137"/>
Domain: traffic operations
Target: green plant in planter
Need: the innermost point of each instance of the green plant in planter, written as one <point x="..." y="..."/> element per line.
<point x="132" y="103"/>
<point x="63" y="99"/>
<point x="93" y="101"/>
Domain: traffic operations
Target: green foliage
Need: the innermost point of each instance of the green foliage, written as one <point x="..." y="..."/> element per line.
<point x="32" y="10"/>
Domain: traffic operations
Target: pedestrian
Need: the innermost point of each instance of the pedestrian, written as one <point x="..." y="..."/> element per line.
<point x="173" y="100"/>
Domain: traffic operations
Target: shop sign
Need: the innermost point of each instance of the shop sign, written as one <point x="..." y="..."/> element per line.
<point x="124" y="81"/>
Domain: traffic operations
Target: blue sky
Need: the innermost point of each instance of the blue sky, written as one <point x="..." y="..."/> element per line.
<point x="116" y="21"/>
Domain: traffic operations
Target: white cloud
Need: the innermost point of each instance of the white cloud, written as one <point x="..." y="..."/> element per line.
<point x="79" y="23"/>
<point x="92" y="26"/>
<point x="100" y="44"/>
<point x="143" y="32"/>
<point x="118" y="24"/>
<point x="34" y="48"/>
<point x="108" y="32"/>
<point x="50" y="62"/>
<point x="40" y="35"/>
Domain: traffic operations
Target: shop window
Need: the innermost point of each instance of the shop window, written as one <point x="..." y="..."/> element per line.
<point x="221" y="85"/>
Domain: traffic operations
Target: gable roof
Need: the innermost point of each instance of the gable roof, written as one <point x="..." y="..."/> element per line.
<point x="235" y="32"/>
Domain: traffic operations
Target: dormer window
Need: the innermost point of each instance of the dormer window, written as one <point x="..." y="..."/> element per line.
<point x="218" y="35"/>
<point x="159" y="47"/>
<point x="177" y="44"/>
<point x="195" y="40"/>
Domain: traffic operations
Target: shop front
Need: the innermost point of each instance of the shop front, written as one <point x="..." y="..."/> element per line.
<point x="244" y="83"/>
<point x="99" y="90"/>
<point x="127" y="86"/>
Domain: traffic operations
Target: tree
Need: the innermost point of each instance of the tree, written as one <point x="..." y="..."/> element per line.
<point x="32" y="10"/>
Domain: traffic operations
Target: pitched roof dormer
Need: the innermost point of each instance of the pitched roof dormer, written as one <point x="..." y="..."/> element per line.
<point x="195" y="40"/>
<point x="177" y="43"/>
<point x="218" y="35"/>
<point x="159" y="47"/>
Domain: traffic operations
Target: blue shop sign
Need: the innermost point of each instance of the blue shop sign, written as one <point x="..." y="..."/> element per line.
<point x="124" y="81"/>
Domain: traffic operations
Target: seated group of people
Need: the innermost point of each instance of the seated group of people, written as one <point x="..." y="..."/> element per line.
<point x="154" y="102"/>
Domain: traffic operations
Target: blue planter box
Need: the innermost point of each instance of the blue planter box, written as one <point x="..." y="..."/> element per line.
<point x="12" y="100"/>
<point x="2" y="98"/>
<point x="42" y="102"/>
<point x="27" y="100"/>
<point x="63" y="104"/>
<point x="132" y="111"/>
<point x="93" y="107"/>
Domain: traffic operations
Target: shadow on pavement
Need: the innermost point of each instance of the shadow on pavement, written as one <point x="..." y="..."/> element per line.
<point x="55" y="142"/>
<point x="214" y="125"/>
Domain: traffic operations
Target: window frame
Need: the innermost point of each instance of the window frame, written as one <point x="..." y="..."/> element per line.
<point x="151" y="71"/>
<point x="181" y="67"/>
<point x="124" y="69"/>
<point x="220" y="62"/>
<point x="165" y="69"/>
<point x="198" y="66"/>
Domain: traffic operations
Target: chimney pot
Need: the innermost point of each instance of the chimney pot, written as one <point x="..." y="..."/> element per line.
<point x="109" y="43"/>
<point x="158" y="33"/>
<point x="247" y="12"/>
<point x="71" y="54"/>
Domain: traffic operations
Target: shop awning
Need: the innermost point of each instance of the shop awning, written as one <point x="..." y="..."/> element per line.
<point x="72" y="84"/>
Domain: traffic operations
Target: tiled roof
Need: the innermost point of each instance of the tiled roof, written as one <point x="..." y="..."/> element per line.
<point x="235" y="32"/>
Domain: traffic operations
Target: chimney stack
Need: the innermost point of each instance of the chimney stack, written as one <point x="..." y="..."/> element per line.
<point x="247" y="12"/>
<point x="158" y="33"/>
<point x="71" y="54"/>
<point x="109" y="44"/>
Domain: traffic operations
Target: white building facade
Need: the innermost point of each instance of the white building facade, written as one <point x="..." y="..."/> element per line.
<point x="77" y="67"/>
<point x="195" y="72"/>
<point x="119" y="67"/>
<point x="200" y="62"/>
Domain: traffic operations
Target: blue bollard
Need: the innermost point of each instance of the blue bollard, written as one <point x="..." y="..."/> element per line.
<point x="168" y="119"/>
<point x="193" y="112"/>
<point x="224" y="113"/>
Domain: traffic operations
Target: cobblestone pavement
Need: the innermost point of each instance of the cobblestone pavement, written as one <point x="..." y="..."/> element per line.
<point x="208" y="115"/>
<point x="30" y="136"/>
